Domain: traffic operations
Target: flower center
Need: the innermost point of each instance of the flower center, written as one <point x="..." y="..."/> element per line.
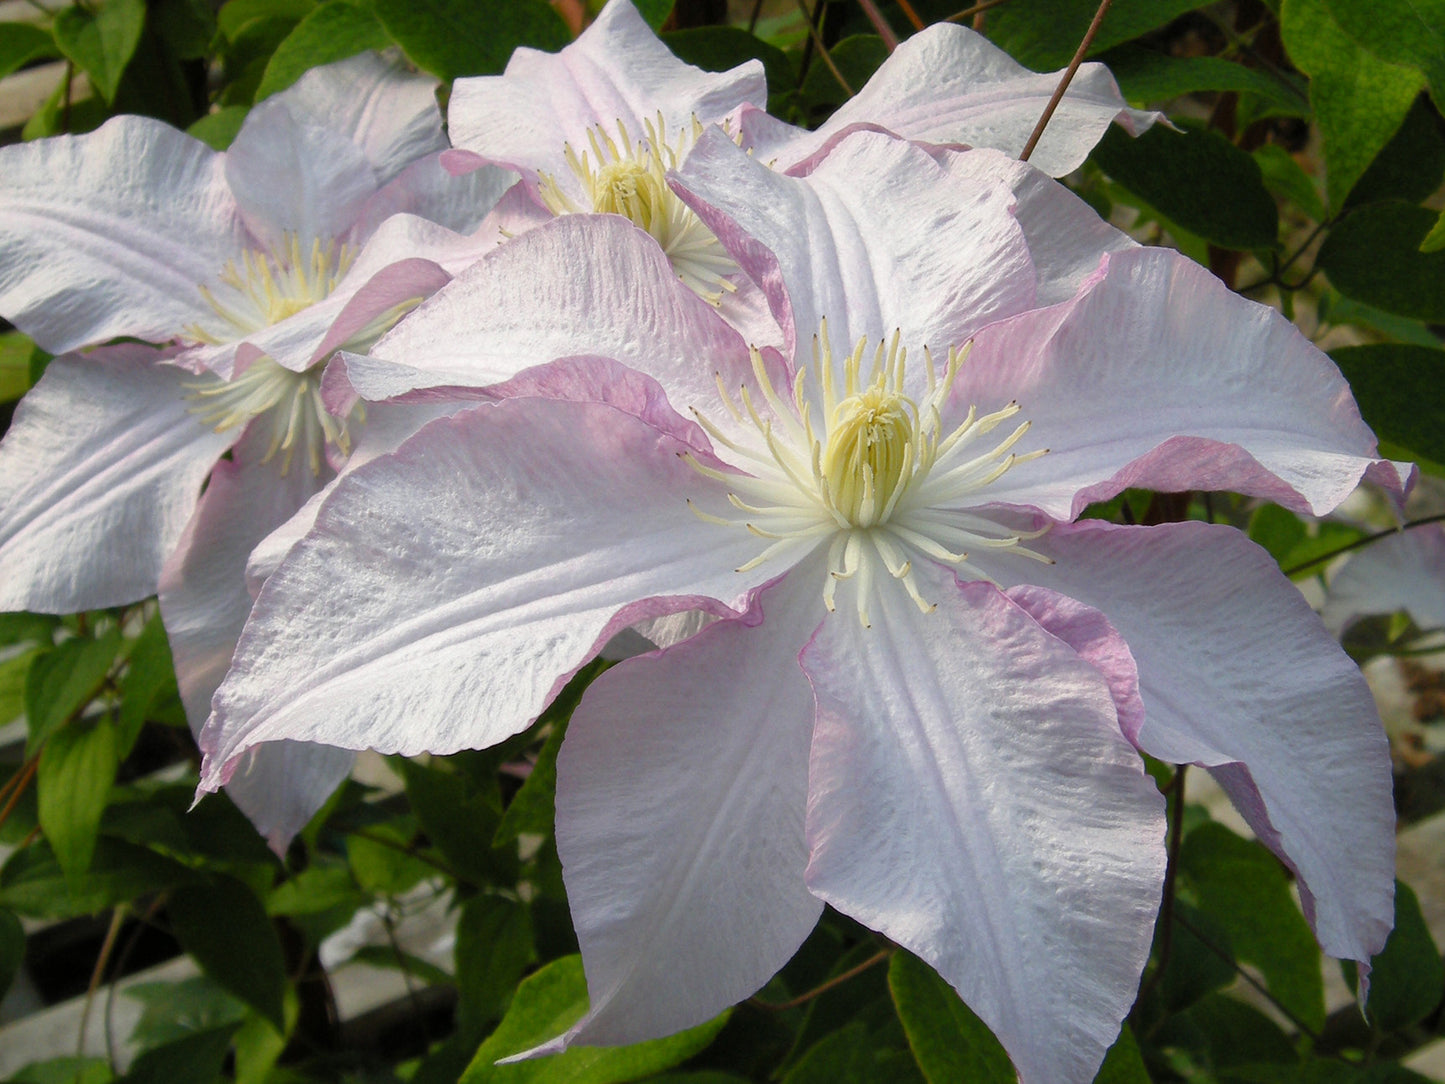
<point x="266" y="288"/>
<point x="880" y="480"/>
<point x="629" y="178"/>
<point x="289" y="401"/>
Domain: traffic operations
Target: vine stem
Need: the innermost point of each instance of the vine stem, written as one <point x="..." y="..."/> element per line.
<point x="1068" y="78"/>
<point x="1362" y="542"/>
<point x="117" y="918"/>
<point x="880" y="24"/>
<point x="823" y="988"/>
<point x="21" y="780"/>
<point x="808" y="17"/>
<point x="1171" y="875"/>
<point x="977" y="9"/>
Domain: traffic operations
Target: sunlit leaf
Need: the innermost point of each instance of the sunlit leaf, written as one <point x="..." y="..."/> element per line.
<point x="101" y="41"/>
<point x="452" y="38"/>
<point x="333" y="31"/>
<point x="64" y="680"/>
<point x="77" y="768"/>
<point x="948" y="1041"/>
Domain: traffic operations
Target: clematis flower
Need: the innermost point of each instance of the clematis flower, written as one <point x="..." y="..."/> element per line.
<point x="1402" y="571"/>
<point x="328" y="219"/>
<point x="923" y="700"/>
<point x="595" y="127"/>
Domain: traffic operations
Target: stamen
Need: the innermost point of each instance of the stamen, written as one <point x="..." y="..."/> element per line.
<point x="270" y="287"/>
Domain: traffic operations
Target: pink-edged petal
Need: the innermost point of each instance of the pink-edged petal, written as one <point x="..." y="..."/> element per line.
<point x="1157" y="376"/>
<point x="448" y="590"/>
<point x="1402" y="571"/>
<point x="579" y="285"/>
<point x="617" y="71"/>
<point x="388" y="112"/>
<point x="1239" y="675"/>
<point x="681" y="793"/>
<point x="428" y="191"/>
<point x="204" y="603"/>
<point x="948" y="84"/>
<point x="973" y="799"/>
<point x="387" y="296"/>
<point x="98" y="475"/>
<point x="110" y="233"/>
<point x="909" y="248"/>
<point x="292" y="177"/>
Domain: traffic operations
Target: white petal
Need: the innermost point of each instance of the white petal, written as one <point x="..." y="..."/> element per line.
<point x="617" y="70"/>
<point x="1402" y="571"/>
<point x="98" y="474"/>
<point x="973" y="799"/>
<point x="1238" y="674"/>
<point x="1156" y="375"/>
<point x="390" y="113"/>
<point x="878" y="237"/>
<point x="110" y="233"/>
<point x="448" y="591"/>
<point x="680" y="799"/>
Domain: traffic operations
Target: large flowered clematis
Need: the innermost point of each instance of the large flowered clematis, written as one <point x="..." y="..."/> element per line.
<point x="595" y="127"/>
<point x="924" y="698"/>
<point x="328" y="219"/>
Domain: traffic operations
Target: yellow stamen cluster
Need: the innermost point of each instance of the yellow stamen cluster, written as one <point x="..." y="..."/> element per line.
<point x="879" y="479"/>
<point x="265" y="288"/>
<point x="629" y="178"/>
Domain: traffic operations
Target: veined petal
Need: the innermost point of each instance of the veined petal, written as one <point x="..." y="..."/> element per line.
<point x="972" y="798"/>
<point x="109" y="233"/>
<point x="291" y="176"/>
<point x="98" y="475"/>
<point x="1402" y="571"/>
<point x="680" y="800"/>
<point x="910" y="249"/>
<point x="428" y="191"/>
<point x="448" y="591"/>
<point x="947" y="84"/>
<point x="204" y="603"/>
<point x="1239" y="675"/>
<point x="1156" y="375"/>
<point x="591" y="285"/>
<point x="390" y="113"/>
<point x="617" y="70"/>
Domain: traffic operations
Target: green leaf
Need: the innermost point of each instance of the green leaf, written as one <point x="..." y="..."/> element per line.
<point x="1123" y="1064"/>
<point x="101" y="42"/>
<point x="61" y="682"/>
<point x="857" y="58"/>
<point x="1335" y="308"/>
<point x="1243" y="888"/>
<point x="949" y="1042"/>
<point x="1145" y="75"/>
<point x="217" y="130"/>
<point x="852" y="1055"/>
<point x="12" y="949"/>
<point x="1401" y="393"/>
<point x="719" y="48"/>
<point x="1407" y="978"/>
<point x="33" y="883"/>
<point x="1226" y="1033"/>
<point x="20" y="43"/>
<point x="452" y="38"/>
<point x="223" y="925"/>
<point x="459" y="818"/>
<point x="1044" y="34"/>
<point x="1435" y="239"/>
<point x="1400" y="32"/>
<point x="239" y="17"/>
<point x="383" y="861"/>
<point x="1276" y="529"/>
<point x="494" y="948"/>
<point x="1411" y="165"/>
<point x="654" y="11"/>
<point x="334" y="31"/>
<point x="65" y="1071"/>
<point x="1286" y="180"/>
<point x="196" y="1059"/>
<point x="1199" y="958"/>
<point x="77" y="768"/>
<point x="150" y="676"/>
<point x="1197" y="179"/>
<point x="185" y="26"/>
<point x="1374" y="256"/>
<point x="13" y="672"/>
<point x="546" y="1004"/>
<point x="20" y="628"/>
<point x="1359" y="100"/>
<point x="173" y="1010"/>
<point x="15" y="352"/>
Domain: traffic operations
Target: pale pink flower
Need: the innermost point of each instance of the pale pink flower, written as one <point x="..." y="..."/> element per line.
<point x="923" y="698"/>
